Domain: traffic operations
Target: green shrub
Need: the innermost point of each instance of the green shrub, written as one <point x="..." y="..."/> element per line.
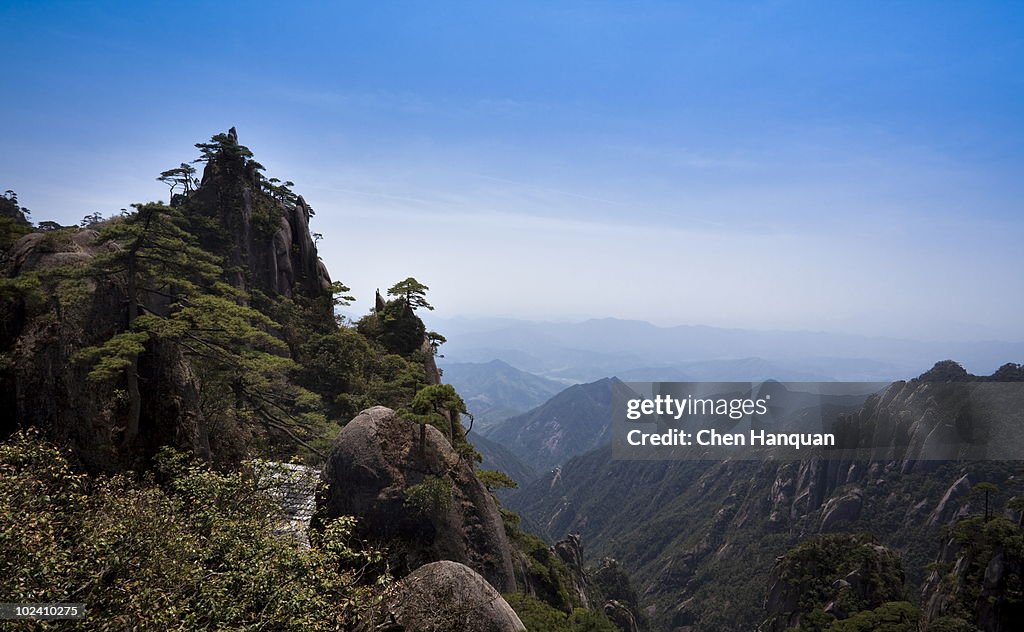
<point x="538" y="616"/>
<point x="432" y="497"/>
<point x="893" y="616"/>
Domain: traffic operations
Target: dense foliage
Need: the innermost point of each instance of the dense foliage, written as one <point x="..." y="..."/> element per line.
<point x="813" y="567"/>
<point x="13" y="220"/>
<point x="538" y="616"/>
<point x="985" y="584"/>
<point x="182" y="548"/>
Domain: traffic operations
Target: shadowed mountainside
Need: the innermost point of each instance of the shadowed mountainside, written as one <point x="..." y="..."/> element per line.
<point x="700" y="538"/>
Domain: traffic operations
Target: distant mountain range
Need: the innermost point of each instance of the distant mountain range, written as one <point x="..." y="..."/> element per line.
<point x="588" y="350"/>
<point x="495" y="390"/>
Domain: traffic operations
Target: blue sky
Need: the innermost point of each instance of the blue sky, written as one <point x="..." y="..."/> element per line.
<point x="849" y="167"/>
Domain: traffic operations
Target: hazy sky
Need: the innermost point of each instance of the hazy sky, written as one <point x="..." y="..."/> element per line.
<point x="854" y="167"/>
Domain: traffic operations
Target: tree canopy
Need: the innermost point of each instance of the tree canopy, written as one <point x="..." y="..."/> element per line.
<point x="413" y="292"/>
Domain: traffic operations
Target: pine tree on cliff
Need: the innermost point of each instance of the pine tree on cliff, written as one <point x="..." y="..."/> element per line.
<point x="441" y="406"/>
<point x="413" y="292"/>
<point x="154" y="256"/>
<point x="394" y="323"/>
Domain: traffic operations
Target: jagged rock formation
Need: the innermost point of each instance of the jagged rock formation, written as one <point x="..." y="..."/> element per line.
<point x="928" y="420"/>
<point x="265" y="244"/>
<point x="266" y="241"/>
<point x="558" y="576"/>
<point x="395" y="325"/>
<point x="570" y="552"/>
<point x="621" y="604"/>
<point x="621" y="616"/>
<point x="952" y="505"/>
<point x="373" y="465"/>
<point x="448" y="596"/>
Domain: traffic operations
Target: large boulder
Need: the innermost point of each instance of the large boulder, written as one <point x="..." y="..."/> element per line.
<point x="377" y="472"/>
<point x="450" y="597"/>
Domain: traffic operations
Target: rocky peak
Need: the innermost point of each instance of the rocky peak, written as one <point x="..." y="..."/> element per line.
<point x="262" y="228"/>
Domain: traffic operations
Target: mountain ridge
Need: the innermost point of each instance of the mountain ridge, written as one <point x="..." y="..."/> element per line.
<point x="585" y="350"/>
<point x="700" y="538"/>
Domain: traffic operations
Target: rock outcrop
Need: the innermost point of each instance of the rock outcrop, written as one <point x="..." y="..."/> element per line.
<point x="841" y="510"/>
<point x="570" y="552"/>
<point x="950" y="505"/>
<point x="975" y="581"/>
<point x="448" y="596"/>
<point x="621" y="616"/>
<point x="621" y="604"/>
<point x="376" y="467"/>
<point x="265" y="240"/>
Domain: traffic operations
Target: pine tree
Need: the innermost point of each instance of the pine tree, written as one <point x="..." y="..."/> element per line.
<point x="414" y="293"/>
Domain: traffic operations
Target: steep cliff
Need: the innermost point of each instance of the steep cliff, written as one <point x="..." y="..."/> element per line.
<point x="977" y="580"/>
<point x="139" y="295"/>
<point x="262" y="232"/>
<point x="45" y="387"/>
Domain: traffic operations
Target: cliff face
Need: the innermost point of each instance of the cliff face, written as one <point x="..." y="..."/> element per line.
<point x="43" y="386"/>
<point x="265" y="240"/>
<point x="975" y="580"/>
